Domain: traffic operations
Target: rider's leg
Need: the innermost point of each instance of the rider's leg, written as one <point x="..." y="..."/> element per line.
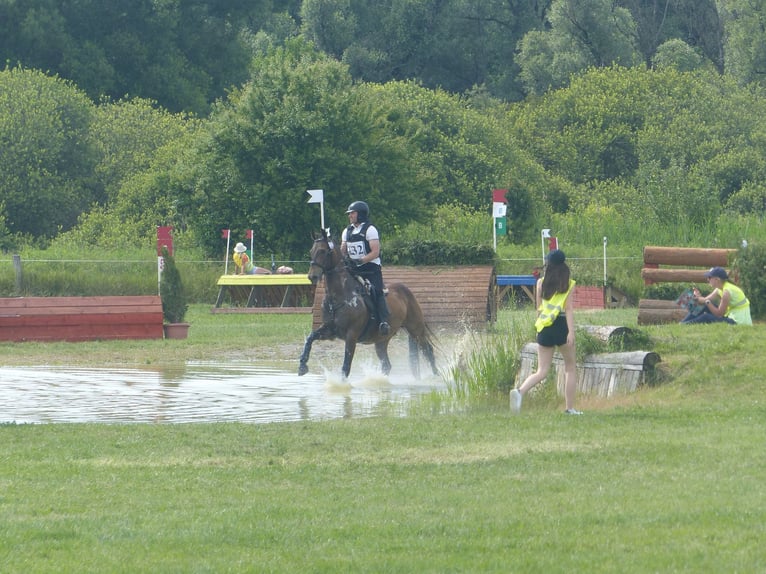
<point x="382" y="309"/>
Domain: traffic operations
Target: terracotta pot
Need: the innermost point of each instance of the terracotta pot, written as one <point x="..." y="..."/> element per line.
<point x="176" y="330"/>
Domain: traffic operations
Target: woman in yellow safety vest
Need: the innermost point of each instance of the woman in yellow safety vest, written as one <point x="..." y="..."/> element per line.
<point x="555" y="328"/>
<point x="733" y="307"/>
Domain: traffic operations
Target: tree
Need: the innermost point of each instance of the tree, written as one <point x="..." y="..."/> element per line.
<point x="183" y="55"/>
<point x="454" y="45"/>
<point x="745" y="26"/>
<point x="581" y="34"/>
<point x="46" y="174"/>
<point x="298" y="124"/>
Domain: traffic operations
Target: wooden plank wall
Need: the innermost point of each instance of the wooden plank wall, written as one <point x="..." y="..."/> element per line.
<point x="80" y="318"/>
<point x="451" y="297"/>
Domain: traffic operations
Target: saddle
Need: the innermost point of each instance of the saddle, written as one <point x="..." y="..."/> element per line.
<point x="367" y="294"/>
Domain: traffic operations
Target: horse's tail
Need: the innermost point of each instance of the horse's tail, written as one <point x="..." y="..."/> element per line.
<point x="421" y="336"/>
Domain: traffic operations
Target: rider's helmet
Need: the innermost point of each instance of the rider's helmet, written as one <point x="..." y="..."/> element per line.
<point x="362" y="211"/>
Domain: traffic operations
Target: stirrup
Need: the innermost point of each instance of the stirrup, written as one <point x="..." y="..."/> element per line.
<point x="384" y="328"/>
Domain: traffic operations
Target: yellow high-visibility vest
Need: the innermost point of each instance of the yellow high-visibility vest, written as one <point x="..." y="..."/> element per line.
<point x="551" y="308"/>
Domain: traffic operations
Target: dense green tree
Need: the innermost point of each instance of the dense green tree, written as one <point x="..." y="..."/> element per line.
<point x="128" y="134"/>
<point x="581" y="34"/>
<point x="147" y="167"/>
<point x="48" y="156"/>
<point x="745" y="39"/>
<point x="300" y="124"/>
<point x="181" y="54"/>
<point x="449" y="44"/>
<point x="658" y="146"/>
<point x="693" y="22"/>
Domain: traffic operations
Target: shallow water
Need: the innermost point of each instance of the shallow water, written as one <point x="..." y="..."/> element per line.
<point x="202" y="392"/>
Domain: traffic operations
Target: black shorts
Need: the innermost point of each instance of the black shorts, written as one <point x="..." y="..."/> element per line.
<point x="554" y="335"/>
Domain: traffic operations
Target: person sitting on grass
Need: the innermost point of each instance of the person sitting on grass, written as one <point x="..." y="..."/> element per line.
<point x="733" y="307"/>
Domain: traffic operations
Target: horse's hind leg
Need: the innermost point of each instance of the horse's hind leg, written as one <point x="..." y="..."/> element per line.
<point x="381" y="348"/>
<point x="428" y="351"/>
<point x="414" y="358"/>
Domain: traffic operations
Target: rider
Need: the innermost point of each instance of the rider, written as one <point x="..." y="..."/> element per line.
<point x="361" y="244"/>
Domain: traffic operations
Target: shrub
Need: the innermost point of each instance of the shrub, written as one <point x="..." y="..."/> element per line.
<point x="174" y="304"/>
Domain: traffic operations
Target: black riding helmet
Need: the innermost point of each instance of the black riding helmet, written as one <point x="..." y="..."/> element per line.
<point x="362" y="211"/>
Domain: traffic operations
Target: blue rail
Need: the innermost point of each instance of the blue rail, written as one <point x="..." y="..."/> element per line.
<point x="514" y="280"/>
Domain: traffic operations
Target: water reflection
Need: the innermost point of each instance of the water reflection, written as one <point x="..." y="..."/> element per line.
<point x="198" y="392"/>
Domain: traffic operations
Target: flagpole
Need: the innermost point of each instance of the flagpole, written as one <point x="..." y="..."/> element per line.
<point x="228" y="239"/>
<point x="317" y="196"/>
<point x="543" y="235"/>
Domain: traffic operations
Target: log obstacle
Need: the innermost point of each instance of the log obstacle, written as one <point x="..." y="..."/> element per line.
<point x="452" y="298"/>
<point x="80" y="318"/>
<point x="603" y="375"/>
<point x="682" y="262"/>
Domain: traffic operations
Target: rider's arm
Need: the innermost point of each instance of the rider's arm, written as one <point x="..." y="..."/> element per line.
<point x="374" y="251"/>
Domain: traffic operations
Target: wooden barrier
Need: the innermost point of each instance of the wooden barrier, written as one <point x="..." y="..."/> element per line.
<point x="265" y="293"/>
<point x="603" y="375"/>
<point x="80" y="318"/>
<point x="451" y="297"/>
<point x="655" y="311"/>
<point x="658" y="311"/>
<point x="584" y="297"/>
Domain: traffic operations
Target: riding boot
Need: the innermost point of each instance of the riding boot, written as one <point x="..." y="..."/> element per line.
<point x="382" y="309"/>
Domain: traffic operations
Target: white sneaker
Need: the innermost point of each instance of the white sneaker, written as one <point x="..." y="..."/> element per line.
<point x="572" y="412"/>
<point x="515" y="402"/>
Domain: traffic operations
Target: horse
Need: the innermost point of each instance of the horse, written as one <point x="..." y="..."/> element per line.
<point x="346" y="315"/>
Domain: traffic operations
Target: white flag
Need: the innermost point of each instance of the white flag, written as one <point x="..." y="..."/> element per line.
<point x="546" y="233"/>
<point x="317" y="195"/>
<point x="498" y="209"/>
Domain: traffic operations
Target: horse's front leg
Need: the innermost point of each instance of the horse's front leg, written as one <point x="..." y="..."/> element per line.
<point x="348" y="355"/>
<point x="324" y="332"/>
<point x="381" y="348"/>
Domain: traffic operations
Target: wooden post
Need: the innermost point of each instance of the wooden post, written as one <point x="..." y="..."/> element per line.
<point x="17" y="269"/>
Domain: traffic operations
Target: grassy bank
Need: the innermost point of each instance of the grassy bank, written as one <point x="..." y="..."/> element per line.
<point x="668" y="479"/>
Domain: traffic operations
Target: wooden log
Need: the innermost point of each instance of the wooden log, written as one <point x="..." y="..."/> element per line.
<point x="603" y="374"/>
<point x="656" y="304"/>
<point x="673" y="275"/>
<point x="657" y="312"/>
<point x="609" y="333"/>
<point x="687" y="256"/>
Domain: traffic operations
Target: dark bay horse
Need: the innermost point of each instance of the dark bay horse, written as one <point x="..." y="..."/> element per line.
<point x="346" y="316"/>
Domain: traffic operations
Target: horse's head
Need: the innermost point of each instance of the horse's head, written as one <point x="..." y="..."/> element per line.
<point x="325" y="257"/>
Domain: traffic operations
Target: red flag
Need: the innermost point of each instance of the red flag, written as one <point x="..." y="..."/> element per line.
<point x="249" y="234"/>
<point x="226" y="233"/>
<point x="498" y="196"/>
<point x="164" y="239"/>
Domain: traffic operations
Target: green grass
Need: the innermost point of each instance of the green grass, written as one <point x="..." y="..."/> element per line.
<point x="668" y="479"/>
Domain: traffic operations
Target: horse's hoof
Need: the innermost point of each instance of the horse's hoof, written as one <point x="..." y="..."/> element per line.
<point x="302" y="370"/>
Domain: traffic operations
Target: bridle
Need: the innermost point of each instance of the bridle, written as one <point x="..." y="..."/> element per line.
<point x="327" y="267"/>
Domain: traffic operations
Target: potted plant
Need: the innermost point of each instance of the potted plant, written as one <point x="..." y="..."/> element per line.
<point x="174" y="303"/>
